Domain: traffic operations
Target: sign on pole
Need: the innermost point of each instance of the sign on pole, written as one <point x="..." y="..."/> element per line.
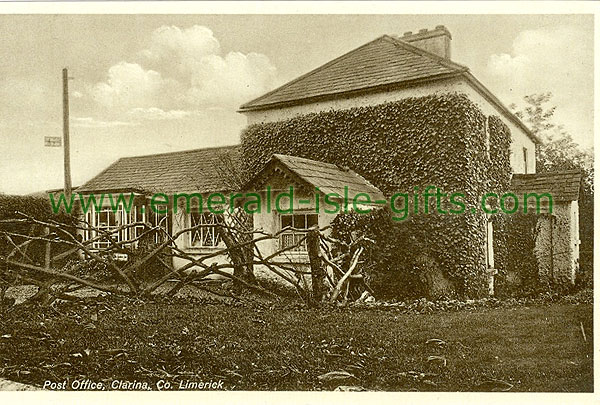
<point x="52" y="141"/>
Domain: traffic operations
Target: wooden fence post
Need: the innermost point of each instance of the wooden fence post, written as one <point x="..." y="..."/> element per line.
<point x="316" y="266"/>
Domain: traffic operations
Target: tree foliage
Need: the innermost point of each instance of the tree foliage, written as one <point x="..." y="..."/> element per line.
<point x="558" y="150"/>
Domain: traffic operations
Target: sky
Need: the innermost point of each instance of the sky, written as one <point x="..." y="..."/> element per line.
<point x="146" y="84"/>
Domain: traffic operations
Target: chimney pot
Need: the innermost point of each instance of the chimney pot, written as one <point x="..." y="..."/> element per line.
<point x="422" y="30"/>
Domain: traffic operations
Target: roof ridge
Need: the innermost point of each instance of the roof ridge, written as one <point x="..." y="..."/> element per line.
<point x="311" y="72"/>
<point x="181" y="151"/>
<point x="303" y="158"/>
<point x="437" y="58"/>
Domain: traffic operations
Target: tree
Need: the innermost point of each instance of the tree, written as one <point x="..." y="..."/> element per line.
<point x="558" y="152"/>
<point x="239" y="233"/>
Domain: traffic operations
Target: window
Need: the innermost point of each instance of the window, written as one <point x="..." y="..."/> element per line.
<point x="205" y="236"/>
<point x="137" y="215"/>
<point x="525" y="159"/>
<point x="301" y="222"/>
<point x="107" y="220"/>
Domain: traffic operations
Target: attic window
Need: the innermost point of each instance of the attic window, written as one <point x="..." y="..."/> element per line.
<point x="525" y="159"/>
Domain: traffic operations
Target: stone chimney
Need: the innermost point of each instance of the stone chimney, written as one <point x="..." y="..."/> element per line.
<point x="436" y="41"/>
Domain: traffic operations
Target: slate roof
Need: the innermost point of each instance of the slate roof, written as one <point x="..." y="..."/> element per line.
<point x="329" y="178"/>
<point x="383" y="61"/>
<point x="198" y="170"/>
<point x="562" y="186"/>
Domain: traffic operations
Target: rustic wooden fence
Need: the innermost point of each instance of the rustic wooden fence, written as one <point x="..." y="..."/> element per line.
<point x="54" y="257"/>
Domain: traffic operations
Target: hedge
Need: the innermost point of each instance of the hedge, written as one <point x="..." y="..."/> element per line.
<point x="36" y="207"/>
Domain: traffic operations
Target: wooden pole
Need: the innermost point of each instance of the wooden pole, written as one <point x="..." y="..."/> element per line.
<point x="316" y="267"/>
<point x="67" y="160"/>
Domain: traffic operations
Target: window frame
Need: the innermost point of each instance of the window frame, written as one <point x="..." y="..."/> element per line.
<point x="160" y="219"/>
<point x="205" y="233"/>
<point x="117" y="220"/>
<point x="296" y="235"/>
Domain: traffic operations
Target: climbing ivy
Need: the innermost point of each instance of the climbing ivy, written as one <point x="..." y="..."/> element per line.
<point x="514" y="253"/>
<point x="435" y="140"/>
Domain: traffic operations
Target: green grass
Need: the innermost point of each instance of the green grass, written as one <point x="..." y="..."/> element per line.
<point x="533" y="348"/>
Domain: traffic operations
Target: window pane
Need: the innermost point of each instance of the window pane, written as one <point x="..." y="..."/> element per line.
<point x="206" y="236"/>
<point x="287" y="239"/>
<point x="111" y="218"/>
<point x="300" y="221"/>
<point x="311" y="220"/>
<point x="286" y="220"/>
<point x="102" y="218"/>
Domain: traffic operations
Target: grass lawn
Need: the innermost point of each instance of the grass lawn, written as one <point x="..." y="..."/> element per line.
<point x="538" y="348"/>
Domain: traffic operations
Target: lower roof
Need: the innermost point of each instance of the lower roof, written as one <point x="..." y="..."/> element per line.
<point x="562" y="186"/>
<point x="190" y="171"/>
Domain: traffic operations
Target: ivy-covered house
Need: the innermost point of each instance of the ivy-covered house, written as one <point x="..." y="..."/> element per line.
<point x="395" y="115"/>
<point x="399" y="112"/>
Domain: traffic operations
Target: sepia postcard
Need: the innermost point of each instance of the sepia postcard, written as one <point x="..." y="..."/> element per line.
<point x="303" y="202"/>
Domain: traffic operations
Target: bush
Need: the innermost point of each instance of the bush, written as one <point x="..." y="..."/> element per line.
<point x="38" y="208"/>
<point x="514" y="244"/>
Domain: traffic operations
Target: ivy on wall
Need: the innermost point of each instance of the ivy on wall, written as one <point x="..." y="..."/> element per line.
<point x="514" y="248"/>
<point x="435" y="140"/>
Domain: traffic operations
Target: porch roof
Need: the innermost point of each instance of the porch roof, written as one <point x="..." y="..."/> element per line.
<point x="562" y="186"/>
<point x="328" y="177"/>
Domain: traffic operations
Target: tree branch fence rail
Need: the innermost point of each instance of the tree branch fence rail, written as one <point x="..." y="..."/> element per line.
<point x="54" y="257"/>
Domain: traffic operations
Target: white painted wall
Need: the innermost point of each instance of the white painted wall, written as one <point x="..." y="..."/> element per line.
<point x="460" y="85"/>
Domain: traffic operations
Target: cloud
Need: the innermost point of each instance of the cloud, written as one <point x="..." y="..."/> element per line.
<point x="178" y="49"/>
<point x="89" y="122"/>
<point x="231" y="80"/>
<point x="182" y="70"/>
<point x="128" y="84"/>
<point x="155" y="114"/>
<point x="557" y="59"/>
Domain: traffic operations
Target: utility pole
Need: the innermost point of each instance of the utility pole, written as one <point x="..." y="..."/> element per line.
<point x="67" y="154"/>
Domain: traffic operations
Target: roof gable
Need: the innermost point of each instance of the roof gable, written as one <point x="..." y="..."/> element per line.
<point x="383" y="61"/>
<point x="197" y="171"/>
<point x="327" y="177"/>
